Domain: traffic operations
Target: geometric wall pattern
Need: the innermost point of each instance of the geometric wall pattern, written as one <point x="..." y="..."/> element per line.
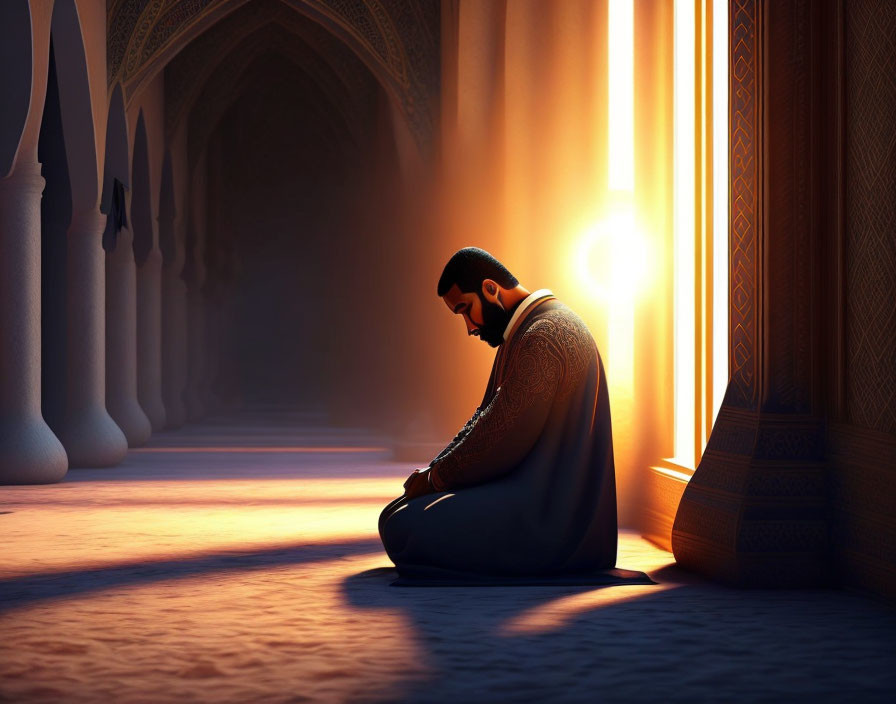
<point x="870" y="239"/>
<point x="744" y="216"/>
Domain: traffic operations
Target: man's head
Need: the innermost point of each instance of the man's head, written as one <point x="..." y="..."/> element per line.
<point x="478" y="287"/>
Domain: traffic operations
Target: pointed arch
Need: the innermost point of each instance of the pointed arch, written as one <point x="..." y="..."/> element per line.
<point x="56" y="215"/>
<point x="115" y="168"/>
<point x="238" y="71"/>
<point x="141" y="198"/>
<point x="115" y="165"/>
<point x="15" y="85"/>
<point x="188" y="73"/>
<point x="395" y="40"/>
<point x="167" y="211"/>
<point x="77" y="109"/>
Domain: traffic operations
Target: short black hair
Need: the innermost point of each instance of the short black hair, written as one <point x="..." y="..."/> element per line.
<point x="469" y="267"/>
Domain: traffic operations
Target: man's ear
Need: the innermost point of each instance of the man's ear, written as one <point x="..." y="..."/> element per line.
<point x="491" y="291"/>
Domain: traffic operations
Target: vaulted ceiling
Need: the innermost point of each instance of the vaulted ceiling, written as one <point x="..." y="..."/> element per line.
<point x="339" y="44"/>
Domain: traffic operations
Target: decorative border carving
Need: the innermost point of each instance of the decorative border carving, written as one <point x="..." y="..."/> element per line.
<point x="745" y="166"/>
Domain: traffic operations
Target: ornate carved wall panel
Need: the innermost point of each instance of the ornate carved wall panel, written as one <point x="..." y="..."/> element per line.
<point x="743" y="262"/>
<point x="870" y="247"/>
<point x="756" y="512"/>
<point x="788" y="262"/>
<point x="862" y="441"/>
<point x="797" y="481"/>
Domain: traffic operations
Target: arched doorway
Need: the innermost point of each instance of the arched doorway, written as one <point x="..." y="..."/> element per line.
<point x="281" y="193"/>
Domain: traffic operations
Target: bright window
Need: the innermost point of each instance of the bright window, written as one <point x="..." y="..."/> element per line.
<point x="700" y="232"/>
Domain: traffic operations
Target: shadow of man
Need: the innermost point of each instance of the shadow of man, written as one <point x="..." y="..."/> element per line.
<point x="470" y="649"/>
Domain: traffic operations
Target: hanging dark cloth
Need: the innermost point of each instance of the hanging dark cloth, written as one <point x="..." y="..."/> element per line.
<point x="117" y="219"/>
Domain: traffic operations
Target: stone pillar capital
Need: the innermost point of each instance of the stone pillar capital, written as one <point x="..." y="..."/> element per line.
<point x="26" y="179"/>
<point x="86" y="222"/>
<point x="125" y="238"/>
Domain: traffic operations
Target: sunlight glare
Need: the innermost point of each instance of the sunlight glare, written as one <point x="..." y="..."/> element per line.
<point x="684" y="233"/>
<point x="613" y="258"/>
<point x="621" y="88"/>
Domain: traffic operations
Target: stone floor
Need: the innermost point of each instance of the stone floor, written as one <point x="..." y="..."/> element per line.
<point x="238" y="561"/>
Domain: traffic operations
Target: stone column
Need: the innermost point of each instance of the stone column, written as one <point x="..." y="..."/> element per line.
<point x="196" y="340"/>
<point x="195" y="274"/>
<point x="214" y="341"/>
<point x="121" y="342"/>
<point x="174" y="330"/>
<point x="29" y="451"/>
<point x="90" y="436"/>
<point x="231" y="388"/>
<point x="228" y="390"/>
<point x="149" y="337"/>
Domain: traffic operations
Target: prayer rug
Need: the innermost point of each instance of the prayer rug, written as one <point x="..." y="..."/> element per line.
<point x="446" y="578"/>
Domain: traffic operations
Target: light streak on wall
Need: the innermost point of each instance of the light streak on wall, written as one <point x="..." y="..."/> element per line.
<point x="621" y="95"/>
<point x="620" y="222"/>
<point x="684" y="232"/>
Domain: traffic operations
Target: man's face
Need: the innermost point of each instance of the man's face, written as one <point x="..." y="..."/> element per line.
<point x="483" y="318"/>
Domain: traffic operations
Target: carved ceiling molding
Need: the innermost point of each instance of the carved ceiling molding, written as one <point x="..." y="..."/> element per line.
<point x="230" y="81"/>
<point x="186" y="75"/>
<point x="396" y="40"/>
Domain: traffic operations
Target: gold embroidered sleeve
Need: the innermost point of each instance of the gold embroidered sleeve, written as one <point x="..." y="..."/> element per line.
<point x="461" y="434"/>
<point x="508" y="427"/>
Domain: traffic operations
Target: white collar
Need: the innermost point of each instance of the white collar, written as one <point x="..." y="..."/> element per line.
<point x="521" y="308"/>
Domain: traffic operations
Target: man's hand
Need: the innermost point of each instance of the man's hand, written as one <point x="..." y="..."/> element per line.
<point x="417" y="484"/>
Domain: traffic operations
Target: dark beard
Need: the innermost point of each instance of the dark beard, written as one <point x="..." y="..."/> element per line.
<point x="494" y="322"/>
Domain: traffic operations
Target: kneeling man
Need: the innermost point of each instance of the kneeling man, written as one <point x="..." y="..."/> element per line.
<point x="527" y="487"/>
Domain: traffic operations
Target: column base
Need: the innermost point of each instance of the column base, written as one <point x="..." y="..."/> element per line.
<point x="175" y="416"/>
<point x="755" y="513"/>
<point x="149" y="339"/>
<point x="131" y="420"/>
<point x="155" y="410"/>
<point x="195" y="408"/>
<point x="92" y="439"/>
<point x="30" y="453"/>
<point x="174" y="350"/>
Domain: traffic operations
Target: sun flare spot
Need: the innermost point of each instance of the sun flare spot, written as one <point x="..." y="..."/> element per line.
<point x="613" y="259"/>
